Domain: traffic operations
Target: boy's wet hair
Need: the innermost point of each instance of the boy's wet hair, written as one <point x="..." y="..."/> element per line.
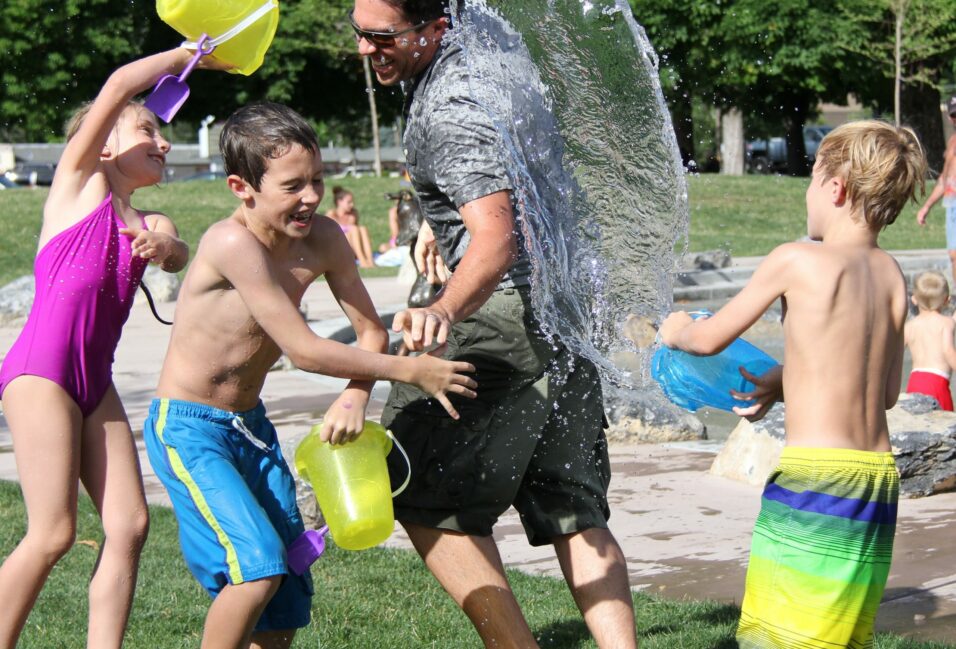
<point x="930" y="290"/>
<point x="76" y="119"/>
<point x="418" y="11"/>
<point x="338" y="193"/>
<point x="883" y="165"/>
<point x="260" y="132"/>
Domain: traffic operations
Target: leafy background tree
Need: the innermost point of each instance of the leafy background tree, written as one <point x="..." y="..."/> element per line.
<point x="57" y="54"/>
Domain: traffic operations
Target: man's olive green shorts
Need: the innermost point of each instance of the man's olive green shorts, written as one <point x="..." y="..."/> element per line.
<point x="534" y="437"/>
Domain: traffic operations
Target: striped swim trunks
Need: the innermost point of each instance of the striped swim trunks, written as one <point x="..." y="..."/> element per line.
<point x="821" y="551"/>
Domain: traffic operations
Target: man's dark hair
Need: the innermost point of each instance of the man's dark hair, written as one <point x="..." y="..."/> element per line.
<point x="260" y="132"/>
<point x="418" y="11"/>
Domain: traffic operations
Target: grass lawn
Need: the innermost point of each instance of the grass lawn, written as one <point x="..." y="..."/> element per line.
<point x="746" y="215"/>
<point x="376" y="598"/>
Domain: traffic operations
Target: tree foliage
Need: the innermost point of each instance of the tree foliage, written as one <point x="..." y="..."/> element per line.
<point x="57" y="54"/>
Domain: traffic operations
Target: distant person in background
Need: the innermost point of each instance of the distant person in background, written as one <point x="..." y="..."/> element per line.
<point x="345" y="214"/>
<point x="929" y="337"/>
<point x="946" y="189"/>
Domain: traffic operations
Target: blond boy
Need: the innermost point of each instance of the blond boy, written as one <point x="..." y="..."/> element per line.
<point x="823" y="541"/>
<point x="929" y="336"/>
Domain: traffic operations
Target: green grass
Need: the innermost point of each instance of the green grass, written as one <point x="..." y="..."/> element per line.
<point x="376" y="598"/>
<point x="746" y="215"/>
<point x="193" y="207"/>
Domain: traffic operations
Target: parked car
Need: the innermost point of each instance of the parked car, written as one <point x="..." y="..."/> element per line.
<point x="31" y="173"/>
<point x="770" y="156"/>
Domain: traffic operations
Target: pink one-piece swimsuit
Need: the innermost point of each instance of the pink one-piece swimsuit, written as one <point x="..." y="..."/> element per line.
<point x="86" y="279"/>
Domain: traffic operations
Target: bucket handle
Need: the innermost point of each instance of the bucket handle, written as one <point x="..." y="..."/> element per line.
<point x="408" y="463"/>
<point x="238" y="27"/>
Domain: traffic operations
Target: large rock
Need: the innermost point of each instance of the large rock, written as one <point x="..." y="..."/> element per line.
<point x="16" y="299"/>
<point x="922" y="436"/>
<point x="645" y="418"/>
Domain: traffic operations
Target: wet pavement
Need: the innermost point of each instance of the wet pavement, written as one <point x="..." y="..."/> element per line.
<point x="685" y="532"/>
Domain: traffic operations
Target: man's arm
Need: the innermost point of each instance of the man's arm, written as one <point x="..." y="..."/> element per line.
<point x="491" y="252"/>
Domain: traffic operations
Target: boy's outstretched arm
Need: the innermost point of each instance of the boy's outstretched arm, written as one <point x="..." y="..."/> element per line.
<point x="239" y="257"/>
<point x="708" y="336"/>
<point x="345" y="418"/>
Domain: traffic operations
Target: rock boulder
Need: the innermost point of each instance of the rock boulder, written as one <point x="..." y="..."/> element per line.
<point x="922" y="436"/>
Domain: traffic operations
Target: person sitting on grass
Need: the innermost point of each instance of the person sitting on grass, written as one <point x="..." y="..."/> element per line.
<point x="345" y="214"/>
<point x="929" y="337"/>
<point x="207" y="434"/>
<point x="823" y="541"/>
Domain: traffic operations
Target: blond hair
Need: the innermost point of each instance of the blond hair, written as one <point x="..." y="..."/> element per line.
<point x="930" y="290"/>
<point x="881" y="164"/>
<point x="76" y="120"/>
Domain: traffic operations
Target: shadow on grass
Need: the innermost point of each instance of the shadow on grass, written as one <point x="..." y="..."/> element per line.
<point x="563" y="634"/>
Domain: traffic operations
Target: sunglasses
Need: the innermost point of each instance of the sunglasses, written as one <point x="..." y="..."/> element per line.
<point x="383" y="39"/>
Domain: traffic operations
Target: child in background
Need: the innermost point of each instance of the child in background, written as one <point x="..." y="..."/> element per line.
<point x="208" y="437"/>
<point x="64" y="414"/>
<point x="929" y="336"/>
<point x="345" y="214"/>
<point x="823" y="541"/>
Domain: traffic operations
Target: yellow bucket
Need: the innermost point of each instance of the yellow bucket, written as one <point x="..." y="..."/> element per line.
<point x="351" y="484"/>
<point x="241" y="31"/>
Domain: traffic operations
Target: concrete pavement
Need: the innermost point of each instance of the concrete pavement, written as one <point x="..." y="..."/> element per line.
<point x="685" y="533"/>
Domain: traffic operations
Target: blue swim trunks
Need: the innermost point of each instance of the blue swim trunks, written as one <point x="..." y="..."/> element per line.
<point x="234" y="498"/>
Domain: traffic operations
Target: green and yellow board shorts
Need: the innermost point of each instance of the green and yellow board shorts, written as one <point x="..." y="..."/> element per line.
<point x="821" y="552"/>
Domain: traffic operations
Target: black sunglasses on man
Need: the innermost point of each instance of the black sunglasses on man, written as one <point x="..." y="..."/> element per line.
<point x="383" y="39"/>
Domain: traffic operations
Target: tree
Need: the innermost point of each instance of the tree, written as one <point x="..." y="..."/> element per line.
<point x="58" y="54"/>
<point x="911" y="42"/>
<point x="312" y="65"/>
<point x="682" y="32"/>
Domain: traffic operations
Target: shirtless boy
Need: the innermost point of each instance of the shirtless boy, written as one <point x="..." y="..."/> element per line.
<point x="929" y="336"/>
<point x="207" y="434"/>
<point x="823" y="540"/>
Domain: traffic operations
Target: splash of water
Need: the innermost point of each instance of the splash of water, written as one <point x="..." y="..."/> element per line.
<point x="602" y="201"/>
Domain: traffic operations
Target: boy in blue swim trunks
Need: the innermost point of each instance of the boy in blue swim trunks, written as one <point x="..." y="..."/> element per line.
<point x="207" y="434"/>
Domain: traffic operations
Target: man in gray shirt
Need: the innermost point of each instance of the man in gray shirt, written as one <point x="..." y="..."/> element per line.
<point x="534" y="436"/>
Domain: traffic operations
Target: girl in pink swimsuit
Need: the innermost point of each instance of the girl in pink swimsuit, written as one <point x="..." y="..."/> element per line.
<point x="65" y="417"/>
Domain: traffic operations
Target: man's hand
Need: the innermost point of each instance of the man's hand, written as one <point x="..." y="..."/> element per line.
<point x="921" y="215"/>
<point x="345" y="418"/>
<point x="421" y="328"/>
<point x="427" y="258"/>
<point x="768" y="389"/>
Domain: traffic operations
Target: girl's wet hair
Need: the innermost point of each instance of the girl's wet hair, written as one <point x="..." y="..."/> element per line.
<point x="883" y="166"/>
<point x="338" y="193"/>
<point x="76" y="119"/>
<point x="260" y="132"/>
